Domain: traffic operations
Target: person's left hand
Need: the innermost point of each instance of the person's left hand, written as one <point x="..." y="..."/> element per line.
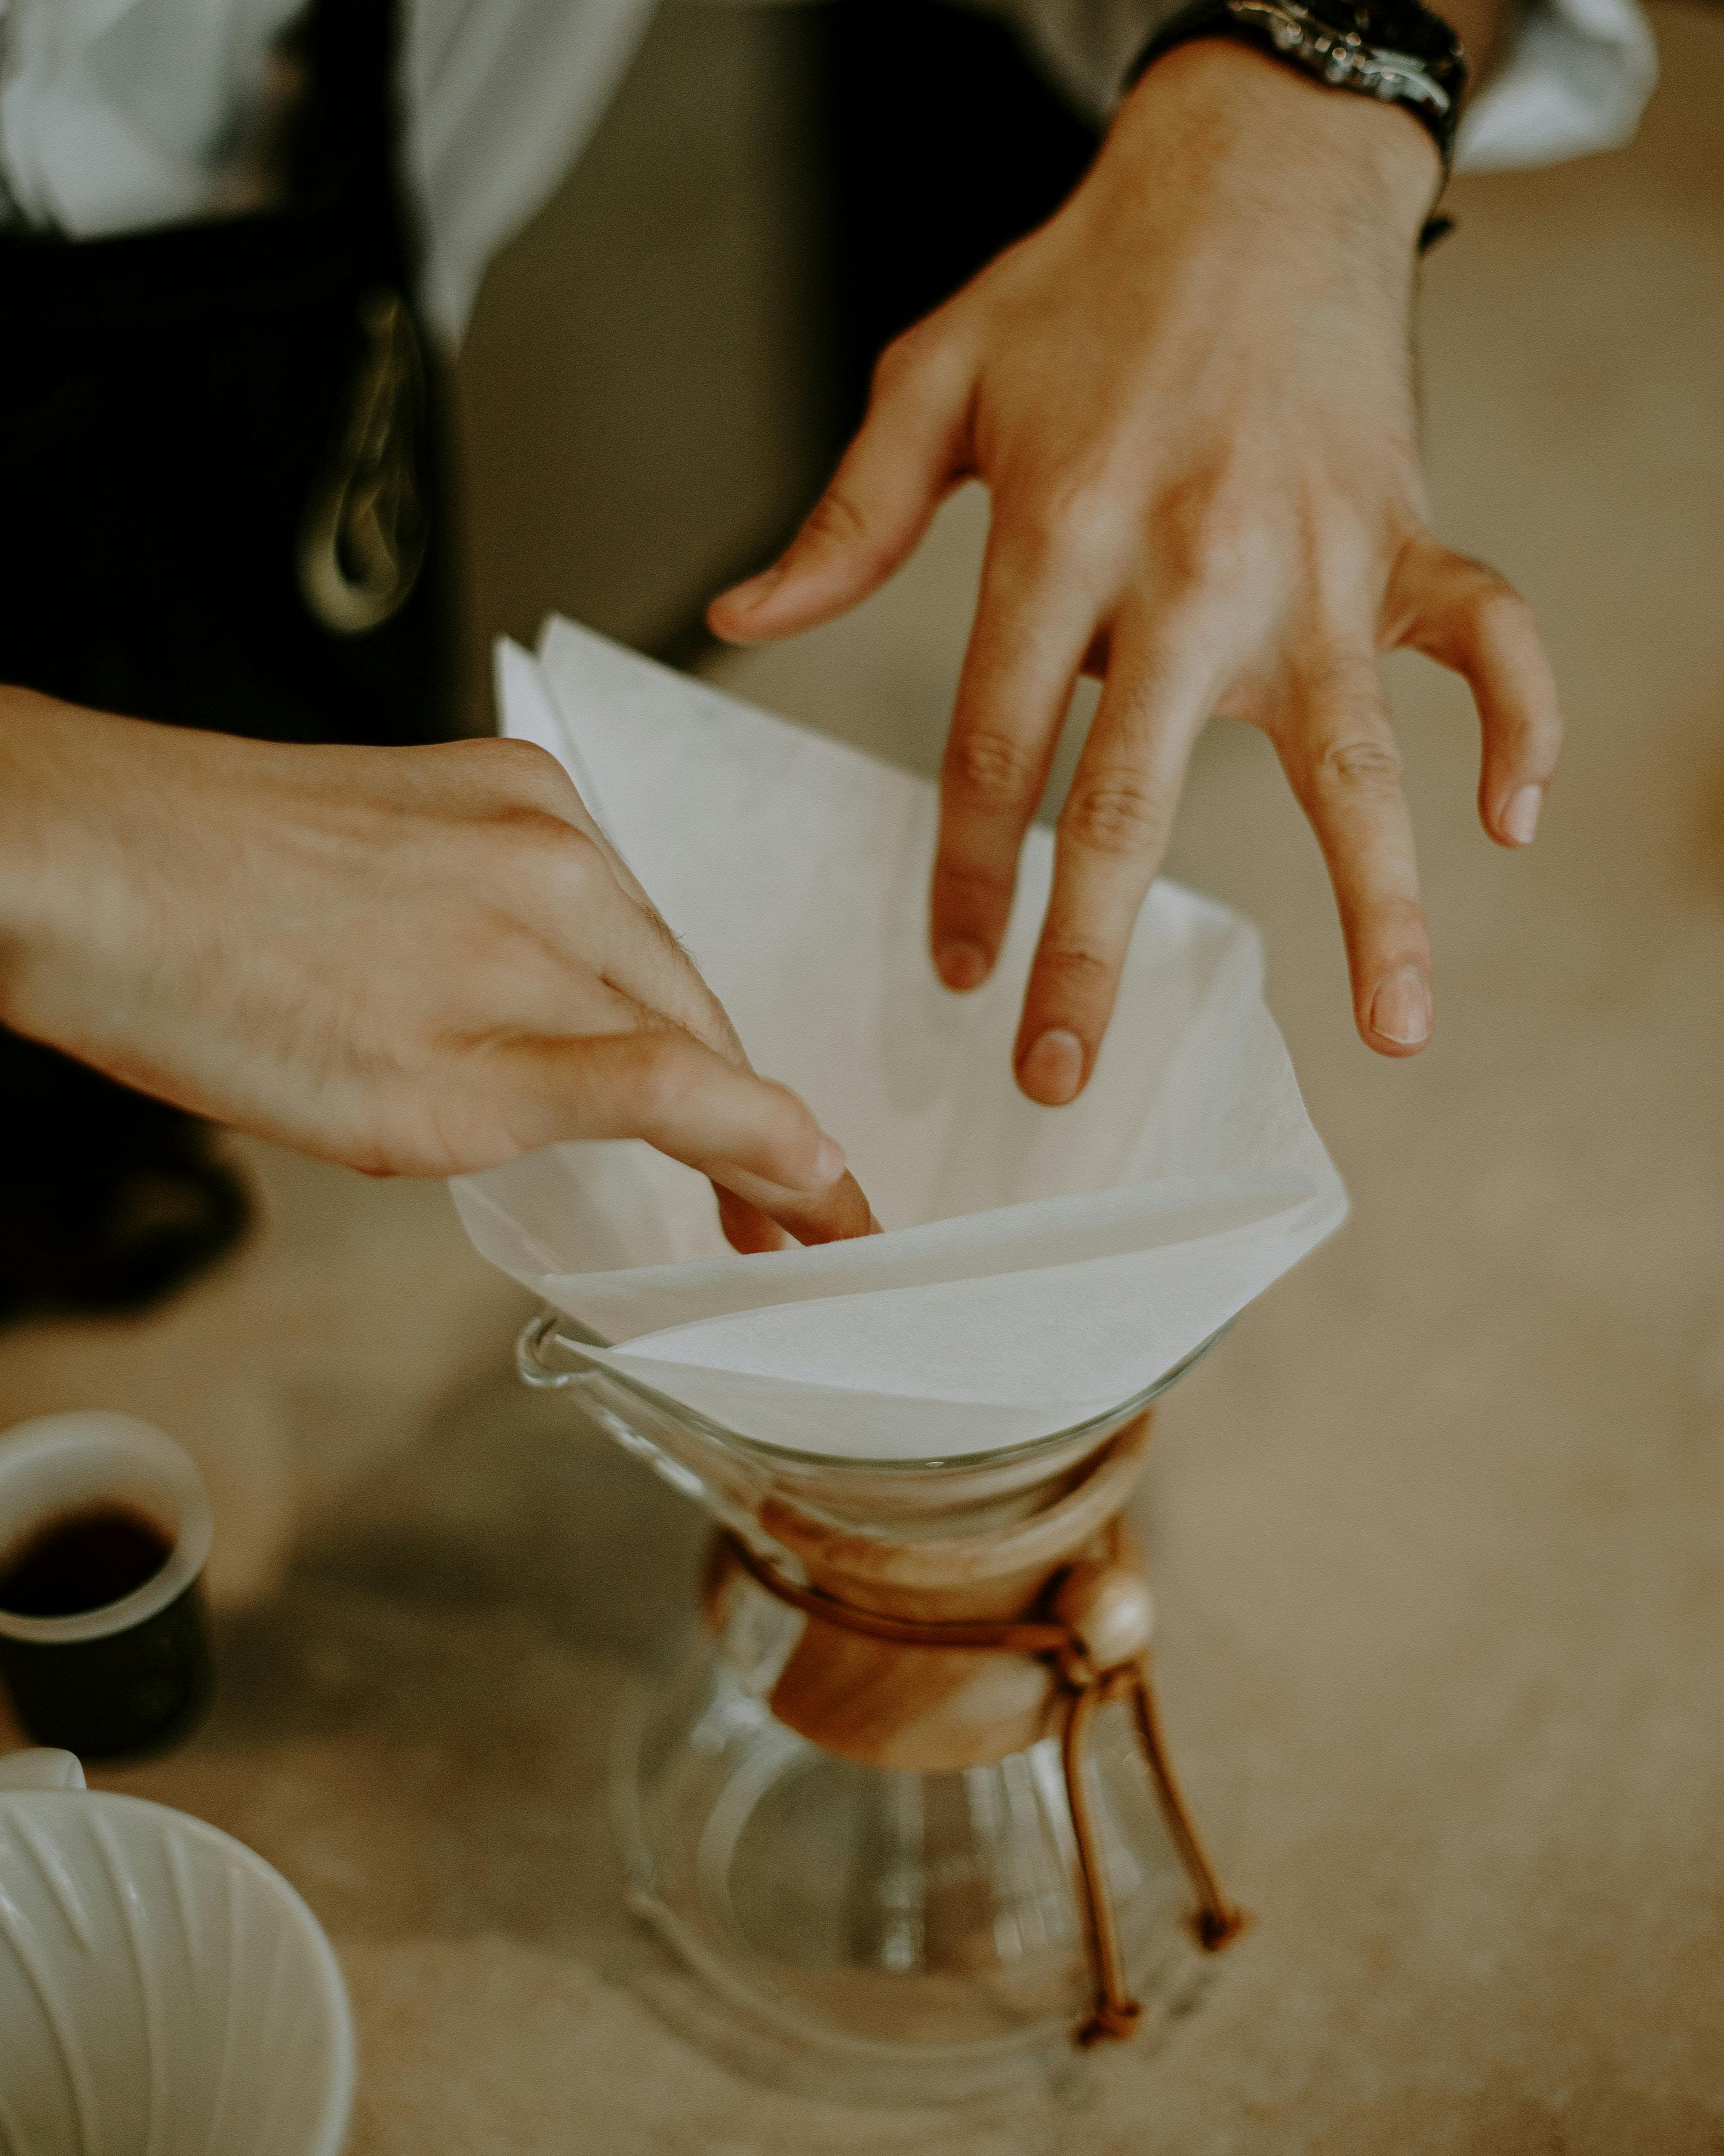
<point x="1190" y="397"/>
<point x="422" y="961"/>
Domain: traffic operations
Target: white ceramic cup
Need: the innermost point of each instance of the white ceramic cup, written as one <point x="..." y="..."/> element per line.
<point x="163" y="1992"/>
<point x="129" y="1673"/>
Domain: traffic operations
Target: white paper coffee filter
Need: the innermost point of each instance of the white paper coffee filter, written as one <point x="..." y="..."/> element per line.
<point x="1041" y="1264"/>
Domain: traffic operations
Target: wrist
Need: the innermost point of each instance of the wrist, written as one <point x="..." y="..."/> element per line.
<point x="1280" y="153"/>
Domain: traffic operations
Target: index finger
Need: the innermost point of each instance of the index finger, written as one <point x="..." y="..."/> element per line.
<point x="832" y="1215"/>
<point x="823" y="1205"/>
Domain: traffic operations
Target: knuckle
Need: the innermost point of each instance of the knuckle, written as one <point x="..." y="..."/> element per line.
<point x="1205" y="533"/>
<point x="666" y="1081"/>
<point x="1499" y="610"/>
<point x="988" y="767"/>
<point x="1531" y="737"/>
<point x="528" y="773"/>
<point x="1114" y="813"/>
<point x="495" y="774"/>
<point x="910" y="357"/>
<point x="835" y="520"/>
<point x="902" y="358"/>
<point x="1397" y="921"/>
<point x="983" y="883"/>
<point x="1475" y="593"/>
<point x="1073" y="514"/>
<point x="1359" y="766"/>
<point x="787" y="1125"/>
<point x="526" y="758"/>
<point x="1072" y="984"/>
<point x="531" y="830"/>
<point x="1073" y="969"/>
<point x="551" y="857"/>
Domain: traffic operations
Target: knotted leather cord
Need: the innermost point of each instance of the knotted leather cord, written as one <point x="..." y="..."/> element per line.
<point x="1215" y="1922"/>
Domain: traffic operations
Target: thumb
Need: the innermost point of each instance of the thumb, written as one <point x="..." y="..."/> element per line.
<point x="908" y="456"/>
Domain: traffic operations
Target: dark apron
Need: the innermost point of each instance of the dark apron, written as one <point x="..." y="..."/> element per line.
<point x="223" y="507"/>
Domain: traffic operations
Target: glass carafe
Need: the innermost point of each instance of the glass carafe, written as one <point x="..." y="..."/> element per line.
<point x="865" y="1848"/>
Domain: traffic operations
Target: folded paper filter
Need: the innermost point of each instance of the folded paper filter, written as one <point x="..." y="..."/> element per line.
<point x="1040" y="1265"/>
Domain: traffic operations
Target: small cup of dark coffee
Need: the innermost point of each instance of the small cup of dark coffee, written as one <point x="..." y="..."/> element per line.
<point x="104" y="1526"/>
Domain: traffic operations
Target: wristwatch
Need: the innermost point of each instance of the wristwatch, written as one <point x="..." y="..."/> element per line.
<point x="1395" y="50"/>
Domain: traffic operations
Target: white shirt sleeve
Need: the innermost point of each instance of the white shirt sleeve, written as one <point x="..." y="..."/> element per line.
<point x="499" y="94"/>
<point x="118" y="115"/>
<point x="1576" y="78"/>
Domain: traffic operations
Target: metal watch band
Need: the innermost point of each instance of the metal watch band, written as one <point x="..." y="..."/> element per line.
<point x="1394" y="50"/>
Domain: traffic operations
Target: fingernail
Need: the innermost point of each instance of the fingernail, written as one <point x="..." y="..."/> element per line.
<point x="1054" y="1069"/>
<point x="962" y="965"/>
<point x="1520" y="819"/>
<point x="829" y="1164"/>
<point x="1401" y="1008"/>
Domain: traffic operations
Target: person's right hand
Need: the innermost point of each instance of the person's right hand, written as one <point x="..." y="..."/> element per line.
<point x="411" y="961"/>
<point x="1191" y="396"/>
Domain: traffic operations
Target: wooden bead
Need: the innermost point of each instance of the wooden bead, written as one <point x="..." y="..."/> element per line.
<point x="1110" y="1608"/>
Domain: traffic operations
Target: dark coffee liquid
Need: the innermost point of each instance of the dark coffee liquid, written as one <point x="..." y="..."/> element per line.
<point x="83" y="1560"/>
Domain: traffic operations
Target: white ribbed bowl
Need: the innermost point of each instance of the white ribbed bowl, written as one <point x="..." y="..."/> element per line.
<point x="162" y="1991"/>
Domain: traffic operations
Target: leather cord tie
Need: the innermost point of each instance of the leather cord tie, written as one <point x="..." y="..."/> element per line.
<point x="1214" y="1922"/>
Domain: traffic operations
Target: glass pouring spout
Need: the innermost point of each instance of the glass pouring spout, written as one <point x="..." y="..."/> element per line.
<point x="735" y="1475"/>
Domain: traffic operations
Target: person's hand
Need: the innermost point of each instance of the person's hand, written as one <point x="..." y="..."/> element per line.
<point x="413" y="961"/>
<point x="1190" y="397"/>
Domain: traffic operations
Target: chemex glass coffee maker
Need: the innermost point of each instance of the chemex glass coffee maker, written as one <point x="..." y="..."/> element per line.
<point x="904" y="1805"/>
<point x="906" y="1810"/>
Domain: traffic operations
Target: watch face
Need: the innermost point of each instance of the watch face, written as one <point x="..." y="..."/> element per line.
<point x="1398" y="25"/>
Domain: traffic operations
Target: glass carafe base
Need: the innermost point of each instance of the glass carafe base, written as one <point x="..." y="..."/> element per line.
<point x="880" y="1936"/>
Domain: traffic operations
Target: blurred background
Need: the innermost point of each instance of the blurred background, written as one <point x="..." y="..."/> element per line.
<point x="680" y="342"/>
<point x="1438" y="1534"/>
